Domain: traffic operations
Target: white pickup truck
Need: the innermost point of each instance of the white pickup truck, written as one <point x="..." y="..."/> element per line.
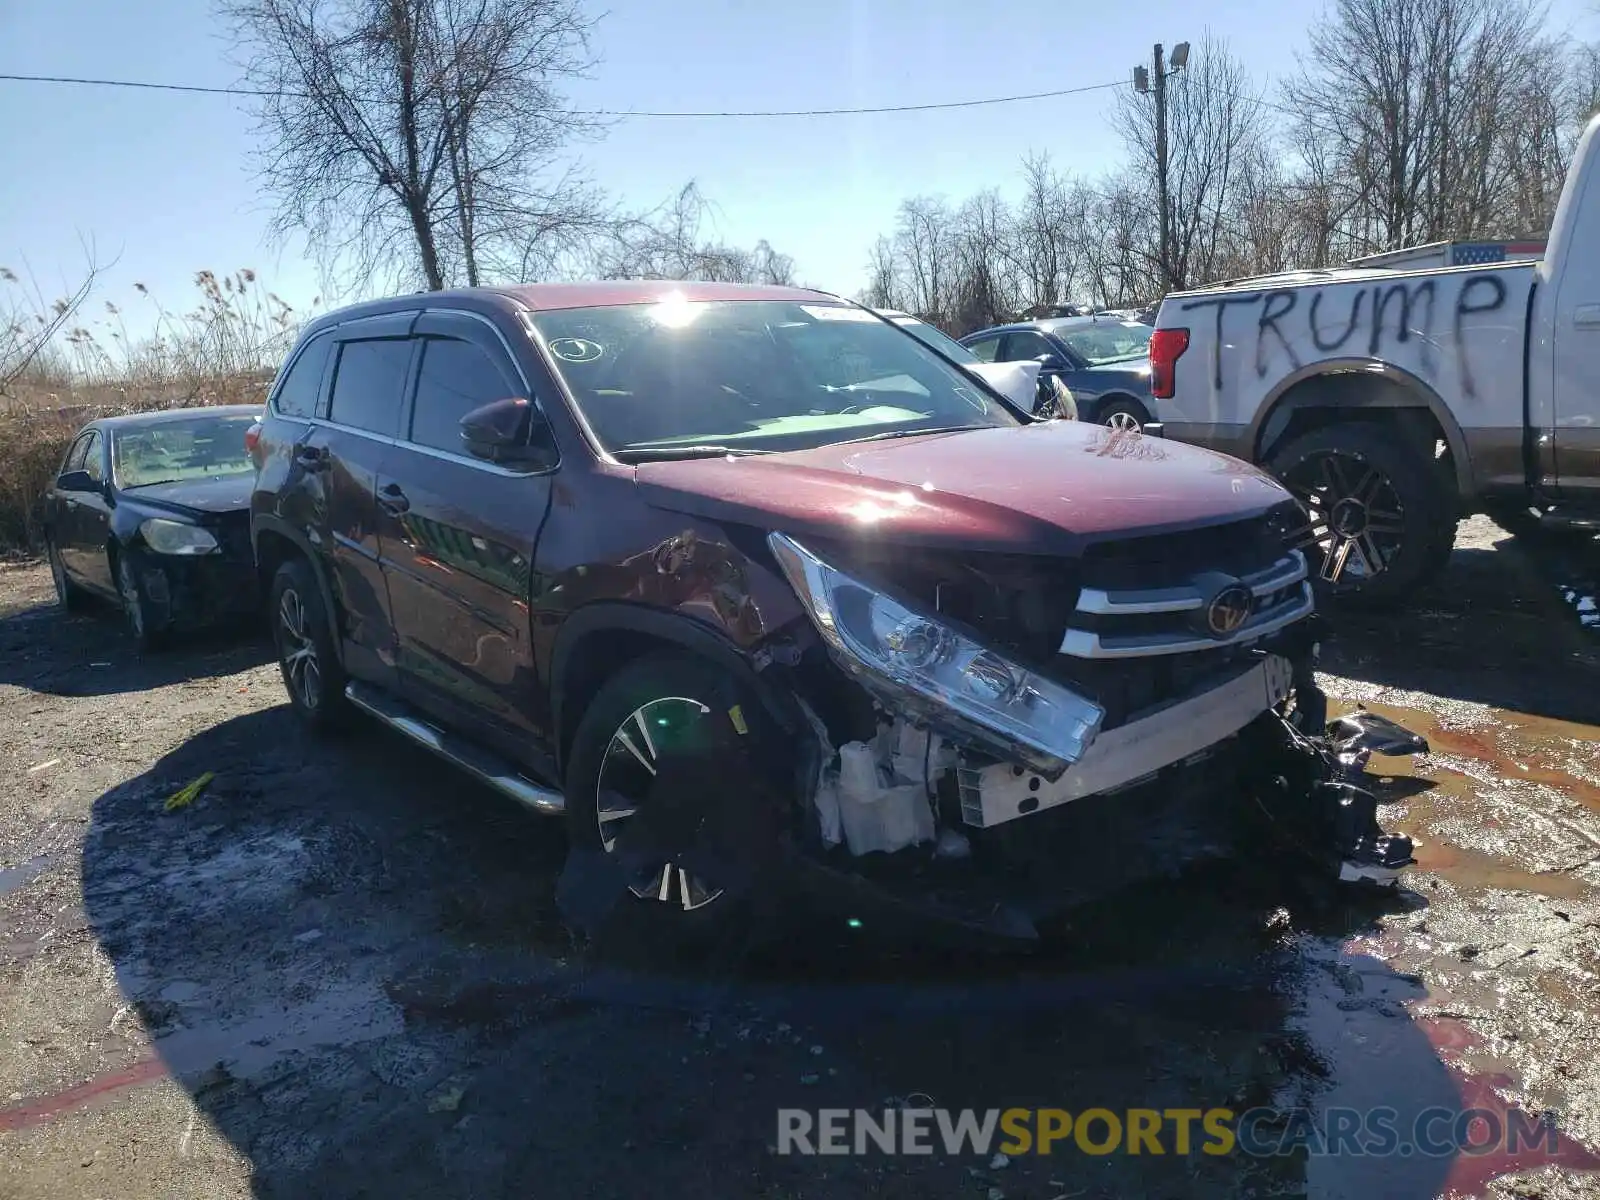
<point x="1393" y="403"/>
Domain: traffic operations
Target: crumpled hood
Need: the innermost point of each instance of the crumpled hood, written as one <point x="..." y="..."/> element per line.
<point x="221" y="494"/>
<point x="1047" y="488"/>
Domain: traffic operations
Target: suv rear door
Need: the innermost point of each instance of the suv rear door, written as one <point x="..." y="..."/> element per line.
<point x="340" y="455"/>
<point x="457" y="535"/>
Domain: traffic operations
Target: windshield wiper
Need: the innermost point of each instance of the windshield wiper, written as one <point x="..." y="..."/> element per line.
<point x="637" y="454"/>
<point x="900" y="433"/>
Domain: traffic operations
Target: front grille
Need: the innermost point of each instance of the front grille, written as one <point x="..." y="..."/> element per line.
<point x="1171" y="618"/>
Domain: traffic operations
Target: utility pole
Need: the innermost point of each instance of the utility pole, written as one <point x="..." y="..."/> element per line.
<point x="1145" y="83"/>
<point x="1160" y="84"/>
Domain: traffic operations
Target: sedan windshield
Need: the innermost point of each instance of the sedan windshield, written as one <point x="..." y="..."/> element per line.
<point x="1107" y="341"/>
<point x="679" y="377"/>
<point x="170" y="451"/>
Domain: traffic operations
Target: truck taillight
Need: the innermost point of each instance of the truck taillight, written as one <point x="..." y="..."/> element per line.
<point x="1166" y="348"/>
<point x="252" y="439"/>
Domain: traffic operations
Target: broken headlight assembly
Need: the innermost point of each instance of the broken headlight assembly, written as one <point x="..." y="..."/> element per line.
<point x="176" y="537"/>
<point x="933" y="670"/>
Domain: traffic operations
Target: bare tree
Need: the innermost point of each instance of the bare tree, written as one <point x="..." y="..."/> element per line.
<point x="1439" y="118"/>
<point x="671" y="242"/>
<point x="29" y="323"/>
<point x="418" y="138"/>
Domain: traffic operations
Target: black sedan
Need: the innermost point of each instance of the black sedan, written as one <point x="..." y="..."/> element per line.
<point x="1103" y="359"/>
<point x="152" y="511"/>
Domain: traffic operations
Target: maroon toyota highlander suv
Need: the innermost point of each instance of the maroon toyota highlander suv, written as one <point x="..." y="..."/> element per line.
<point x="750" y="584"/>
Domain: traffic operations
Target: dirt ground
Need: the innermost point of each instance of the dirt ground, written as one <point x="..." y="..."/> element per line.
<point x="339" y="971"/>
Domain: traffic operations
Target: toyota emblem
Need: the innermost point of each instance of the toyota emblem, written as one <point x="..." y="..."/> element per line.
<point x="1229" y="610"/>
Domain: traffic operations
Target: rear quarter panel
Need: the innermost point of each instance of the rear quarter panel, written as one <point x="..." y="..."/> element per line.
<point x="1458" y="334"/>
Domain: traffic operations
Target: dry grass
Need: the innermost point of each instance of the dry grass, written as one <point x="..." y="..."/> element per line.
<point x="77" y="368"/>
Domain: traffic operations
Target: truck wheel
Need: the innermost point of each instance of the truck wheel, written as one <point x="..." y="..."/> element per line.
<point x="307" y="658"/>
<point x="667" y="717"/>
<point x="1378" y="521"/>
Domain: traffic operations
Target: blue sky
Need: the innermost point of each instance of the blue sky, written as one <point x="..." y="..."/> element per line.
<point x="165" y="180"/>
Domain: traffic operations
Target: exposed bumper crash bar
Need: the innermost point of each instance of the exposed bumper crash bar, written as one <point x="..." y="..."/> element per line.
<point x="995" y="794"/>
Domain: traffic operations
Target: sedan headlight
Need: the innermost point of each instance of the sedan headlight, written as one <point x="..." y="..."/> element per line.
<point x="917" y="659"/>
<point x="176" y="537"/>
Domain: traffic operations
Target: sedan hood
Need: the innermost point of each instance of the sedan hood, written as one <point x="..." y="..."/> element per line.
<point x="1048" y="488"/>
<point x="1018" y="382"/>
<point x="221" y="494"/>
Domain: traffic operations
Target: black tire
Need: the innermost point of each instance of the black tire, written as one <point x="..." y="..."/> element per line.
<point x="703" y="720"/>
<point x="69" y="595"/>
<point x="1124" y="414"/>
<point x="147" y="630"/>
<point x="1381" y="522"/>
<point x="307" y="654"/>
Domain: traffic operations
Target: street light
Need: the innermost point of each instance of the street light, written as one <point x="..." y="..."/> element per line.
<point x="1155" y="80"/>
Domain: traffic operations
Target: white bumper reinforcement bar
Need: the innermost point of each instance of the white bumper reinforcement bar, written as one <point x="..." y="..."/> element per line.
<point x="996" y="794"/>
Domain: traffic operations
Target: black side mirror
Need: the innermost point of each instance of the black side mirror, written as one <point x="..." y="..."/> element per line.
<point x="1051" y="362"/>
<point x="498" y="432"/>
<point x="76" y="481"/>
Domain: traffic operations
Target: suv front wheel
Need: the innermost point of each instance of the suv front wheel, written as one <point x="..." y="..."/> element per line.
<point x="303" y="635"/>
<point x="672" y="780"/>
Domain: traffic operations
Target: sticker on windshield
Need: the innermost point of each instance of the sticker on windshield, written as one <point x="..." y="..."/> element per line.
<point x="576" y="350"/>
<point x="837" y="312"/>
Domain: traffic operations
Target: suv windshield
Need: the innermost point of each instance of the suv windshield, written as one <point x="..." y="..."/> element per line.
<point x="938" y="339"/>
<point x="753" y="375"/>
<point x="1107" y="341"/>
<point x="170" y="451"/>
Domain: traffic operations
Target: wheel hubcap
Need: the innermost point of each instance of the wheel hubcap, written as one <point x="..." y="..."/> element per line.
<point x="1357" y="522"/>
<point x="298" y="651"/>
<point x="1124" y="421"/>
<point x="652" y="732"/>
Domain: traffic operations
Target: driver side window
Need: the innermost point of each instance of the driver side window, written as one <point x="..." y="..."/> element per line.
<point x="91" y="458"/>
<point x="74" y="459"/>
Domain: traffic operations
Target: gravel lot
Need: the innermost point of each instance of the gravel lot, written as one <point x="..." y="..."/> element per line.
<point x="339" y="971"/>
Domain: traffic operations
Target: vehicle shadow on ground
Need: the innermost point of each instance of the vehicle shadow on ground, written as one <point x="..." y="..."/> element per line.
<point x="352" y="961"/>
<point x="1494" y="628"/>
<point x="90" y="653"/>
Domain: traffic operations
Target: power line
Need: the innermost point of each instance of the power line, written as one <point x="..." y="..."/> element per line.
<point x="147" y="85"/>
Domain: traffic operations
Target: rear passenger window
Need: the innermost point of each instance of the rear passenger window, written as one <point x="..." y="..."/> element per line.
<point x="984" y="348"/>
<point x="368" y="384"/>
<point x="456" y="378"/>
<point x="301" y="386"/>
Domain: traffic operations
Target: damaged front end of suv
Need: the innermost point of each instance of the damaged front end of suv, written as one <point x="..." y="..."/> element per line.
<point x="985" y="739"/>
<point x="1041" y="731"/>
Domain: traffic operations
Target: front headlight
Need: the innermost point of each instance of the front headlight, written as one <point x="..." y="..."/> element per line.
<point x="176" y="537"/>
<point x="1018" y="713"/>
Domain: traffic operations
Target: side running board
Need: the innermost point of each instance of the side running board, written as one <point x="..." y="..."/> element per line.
<point x="482" y="764"/>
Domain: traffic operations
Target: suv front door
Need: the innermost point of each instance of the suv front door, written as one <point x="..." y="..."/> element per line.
<point x="341" y="455"/>
<point x="458" y="536"/>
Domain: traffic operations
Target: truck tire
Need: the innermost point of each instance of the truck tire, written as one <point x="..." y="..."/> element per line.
<point x="1380" y="524"/>
<point x="666" y="712"/>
